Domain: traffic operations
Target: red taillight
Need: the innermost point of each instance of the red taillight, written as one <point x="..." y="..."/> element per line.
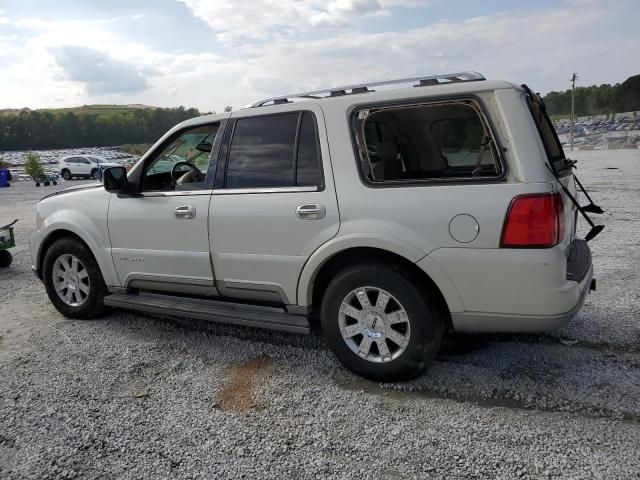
<point x="534" y="221"/>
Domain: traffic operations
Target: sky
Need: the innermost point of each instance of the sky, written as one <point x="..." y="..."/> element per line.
<point x="212" y="53"/>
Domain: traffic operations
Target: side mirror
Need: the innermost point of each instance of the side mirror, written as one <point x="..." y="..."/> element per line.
<point x="115" y="179"/>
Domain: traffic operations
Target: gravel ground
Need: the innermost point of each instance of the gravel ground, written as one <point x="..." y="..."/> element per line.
<point x="132" y="396"/>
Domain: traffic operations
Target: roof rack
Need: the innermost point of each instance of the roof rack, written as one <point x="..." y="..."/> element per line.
<point x="423" y="81"/>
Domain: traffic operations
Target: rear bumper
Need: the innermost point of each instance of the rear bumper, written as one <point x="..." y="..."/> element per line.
<point x="501" y="322"/>
<point x="512" y="290"/>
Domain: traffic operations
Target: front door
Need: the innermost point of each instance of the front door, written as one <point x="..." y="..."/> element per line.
<point x="159" y="239"/>
<point x="274" y="201"/>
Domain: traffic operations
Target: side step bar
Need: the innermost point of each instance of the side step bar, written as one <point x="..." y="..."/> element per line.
<point x="212" y="310"/>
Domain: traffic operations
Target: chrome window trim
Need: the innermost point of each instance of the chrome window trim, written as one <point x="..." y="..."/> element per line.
<point x="179" y="193"/>
<point x="236" y="191"/>
<point x="231" y="191"/>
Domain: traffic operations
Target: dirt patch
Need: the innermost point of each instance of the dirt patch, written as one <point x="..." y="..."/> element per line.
<point x="238" y="394"/>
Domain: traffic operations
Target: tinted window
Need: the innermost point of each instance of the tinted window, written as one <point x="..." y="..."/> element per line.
<point x="308" y="166"/>
<point x="547" y="133"/>
<point x="262" y="152"/>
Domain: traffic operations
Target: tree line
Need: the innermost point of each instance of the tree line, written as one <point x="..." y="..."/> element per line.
<point x="597" y="100"/>
<point x="36" y="129"/>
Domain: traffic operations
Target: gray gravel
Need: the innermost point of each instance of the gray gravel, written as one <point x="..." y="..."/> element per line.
<point x="130" y="396"/>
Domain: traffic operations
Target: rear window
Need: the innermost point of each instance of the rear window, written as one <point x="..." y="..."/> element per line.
<point x="547" y="132"/>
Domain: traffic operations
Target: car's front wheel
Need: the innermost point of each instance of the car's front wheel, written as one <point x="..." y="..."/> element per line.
<point x="379" y="323"/>
<point x="73" y="279"/>
<point x="94" y="173"/>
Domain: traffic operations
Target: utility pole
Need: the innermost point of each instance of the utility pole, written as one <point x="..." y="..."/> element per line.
<point x="573" y="117"/>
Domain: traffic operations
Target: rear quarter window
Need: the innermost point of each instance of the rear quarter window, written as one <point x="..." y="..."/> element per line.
<point x="444" y="141"/>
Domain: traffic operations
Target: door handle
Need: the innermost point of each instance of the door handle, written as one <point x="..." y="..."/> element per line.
<point x="311" y="211"/>
<point x="185" y="211"/>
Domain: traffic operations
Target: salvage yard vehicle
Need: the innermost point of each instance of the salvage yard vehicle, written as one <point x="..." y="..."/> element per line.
<point x="46" y="179"/>
<point x="84" y="166"/>
<point x="383" y="213"/>
<point x="7" y="241"/>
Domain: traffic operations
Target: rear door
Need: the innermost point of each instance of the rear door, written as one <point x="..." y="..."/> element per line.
<point x="274" y="201"/>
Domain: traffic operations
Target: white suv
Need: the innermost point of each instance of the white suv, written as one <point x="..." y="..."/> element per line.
<point x="384" y="217"/>
<point x="85" y="166"/>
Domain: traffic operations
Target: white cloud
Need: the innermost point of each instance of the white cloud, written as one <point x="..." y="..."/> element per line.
<point x="258" y="20"/>
<point x="275" y="47"/>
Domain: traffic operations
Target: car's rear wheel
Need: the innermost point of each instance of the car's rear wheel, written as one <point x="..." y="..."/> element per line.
<point x="66" y="174"/>
<point x="73" y="280"/>
<point x="379" y="323"/>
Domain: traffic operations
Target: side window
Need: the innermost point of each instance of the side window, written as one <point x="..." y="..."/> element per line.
<point x="446" y="141"/>
<point x="308" y="172"/>
<point x="262" y="152"/>
<point x="274" y="151"/>
<point x="191" y="149"/>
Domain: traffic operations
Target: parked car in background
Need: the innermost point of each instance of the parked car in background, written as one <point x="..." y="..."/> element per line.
<point x="84" y="166"/>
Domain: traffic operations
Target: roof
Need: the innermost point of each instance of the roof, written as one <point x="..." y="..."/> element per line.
<point x="469" y="81"/>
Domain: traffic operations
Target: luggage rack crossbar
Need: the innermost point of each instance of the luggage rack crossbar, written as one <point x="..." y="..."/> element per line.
<point x="422" y="81"/>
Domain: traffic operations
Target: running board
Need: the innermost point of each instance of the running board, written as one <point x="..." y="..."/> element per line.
<point x="212" y="310"/>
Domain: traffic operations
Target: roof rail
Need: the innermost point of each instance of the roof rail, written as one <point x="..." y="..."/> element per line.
<point x="422" y="81"/>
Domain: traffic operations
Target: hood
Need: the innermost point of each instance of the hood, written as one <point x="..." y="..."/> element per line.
<point x="74" y="188"/>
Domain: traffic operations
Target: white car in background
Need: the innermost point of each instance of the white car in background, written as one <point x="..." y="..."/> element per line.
<point x="86" y="166"/>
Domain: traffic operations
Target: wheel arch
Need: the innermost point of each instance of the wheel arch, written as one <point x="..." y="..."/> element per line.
<point x="338" y="261"/>
<point x="59" y="233"/>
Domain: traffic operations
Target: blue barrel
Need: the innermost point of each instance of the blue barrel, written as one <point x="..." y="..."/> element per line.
<point x="4" y="177"/>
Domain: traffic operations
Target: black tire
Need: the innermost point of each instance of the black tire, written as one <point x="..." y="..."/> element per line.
<point x="37" y="184"/>
<point x="425" y="321"/>
<point x="5" y="258"/>
<point x="93" y="306"/>
<point x="66" y="174"/>
<point x="55" y="182"/>
<point x="94" y="174"/>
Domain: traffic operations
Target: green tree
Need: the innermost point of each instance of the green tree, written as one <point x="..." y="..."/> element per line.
<point x="33" y="165"/>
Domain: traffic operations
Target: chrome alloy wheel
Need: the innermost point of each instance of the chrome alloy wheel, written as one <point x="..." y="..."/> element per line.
<point x="374" y="324"/>
<point x="70" y="280"/>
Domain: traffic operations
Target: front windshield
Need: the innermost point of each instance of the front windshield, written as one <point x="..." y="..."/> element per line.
<point x="96" y="159"/>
